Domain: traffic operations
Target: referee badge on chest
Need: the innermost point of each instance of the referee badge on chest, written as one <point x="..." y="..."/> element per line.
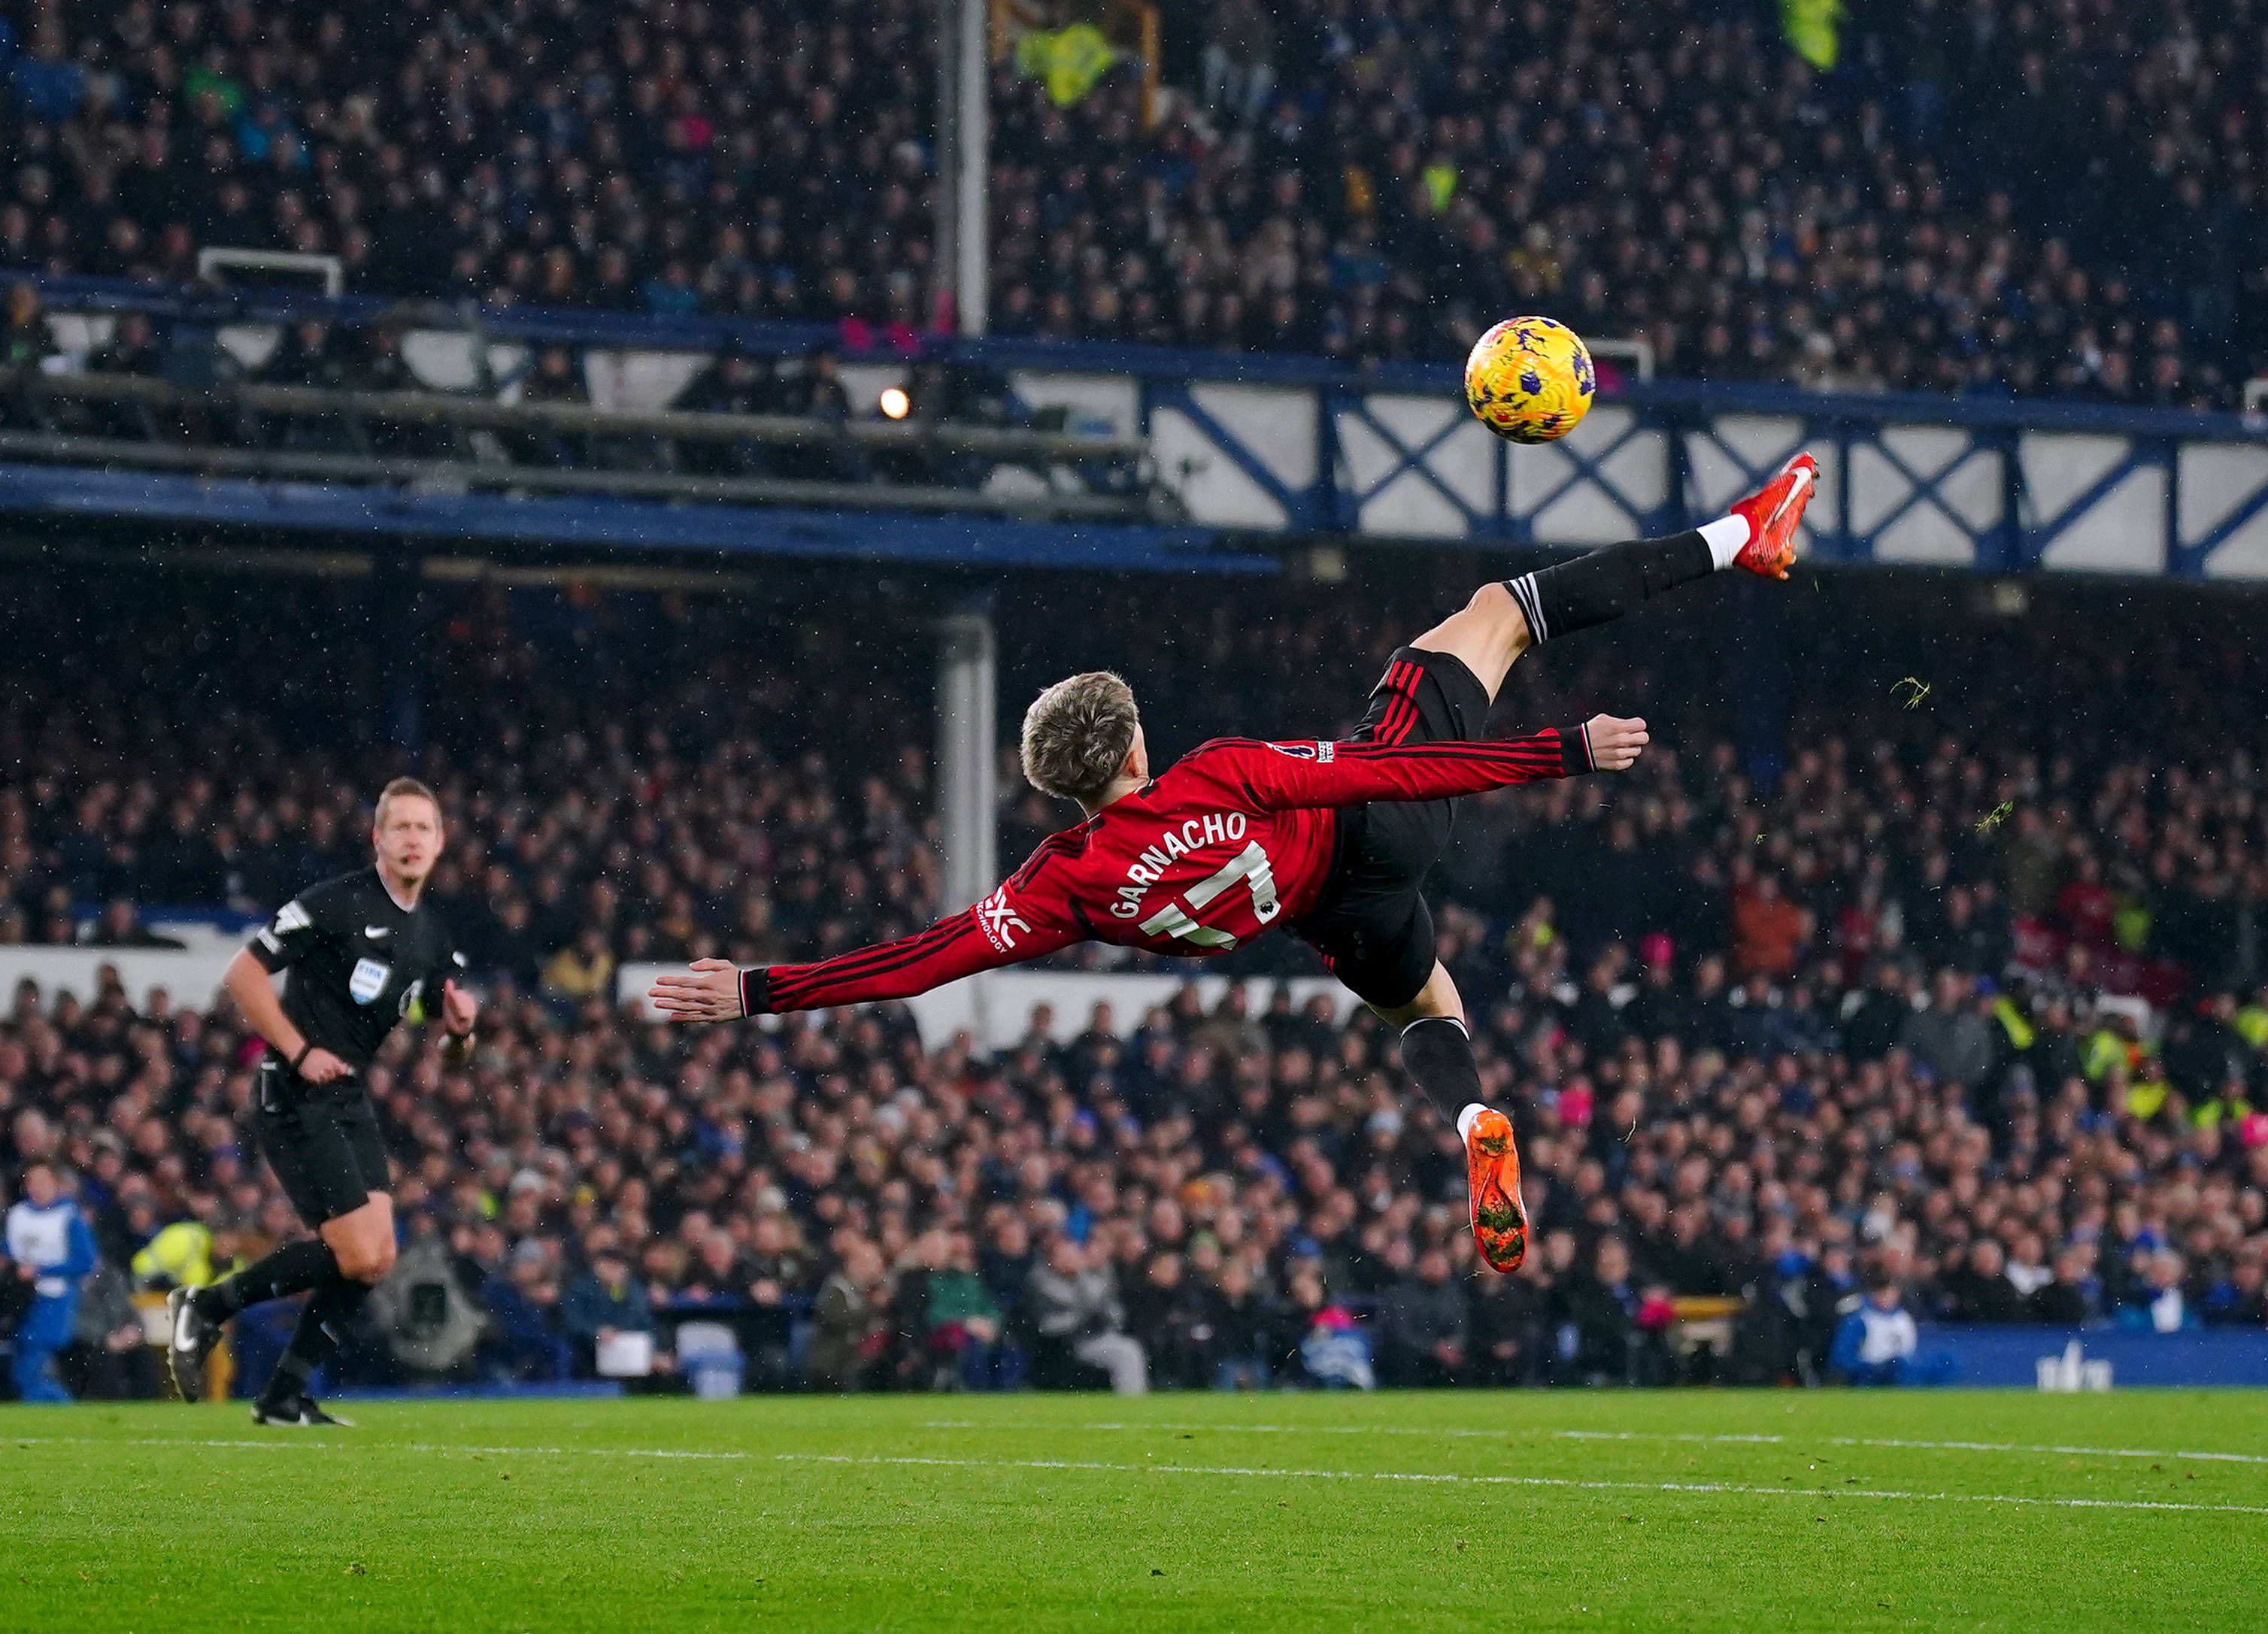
<point x="368" y="980"/>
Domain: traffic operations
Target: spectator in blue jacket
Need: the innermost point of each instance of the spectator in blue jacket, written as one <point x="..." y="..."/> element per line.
<point x="2160" y="1301"/>
<point x="524" y="1342"/>
<point x="52" y="1250"/>
<point x="603" y="1301"/>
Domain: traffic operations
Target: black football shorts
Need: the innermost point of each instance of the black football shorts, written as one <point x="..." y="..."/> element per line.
<point x="1371" y="925"/>
<point x="321" y="1140"/>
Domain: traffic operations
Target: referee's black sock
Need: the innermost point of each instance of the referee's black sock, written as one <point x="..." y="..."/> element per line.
<point x="1437" y="1053"/>
<point x="323" y="1325"/>
<point x="1599" y="588"/>
<point x="292" y="1269"/>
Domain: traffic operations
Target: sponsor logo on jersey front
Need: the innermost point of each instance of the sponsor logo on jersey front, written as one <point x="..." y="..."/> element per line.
<point x="368" y="980"/>
<point x="1000" y="922"/>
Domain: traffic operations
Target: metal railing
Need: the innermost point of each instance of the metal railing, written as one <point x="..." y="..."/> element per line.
<point x="248" y="429"/>
<point x="1228" y="446"/>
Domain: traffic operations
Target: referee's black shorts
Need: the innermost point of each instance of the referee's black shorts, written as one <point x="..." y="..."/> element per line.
<point x="321" y="1140"/>
<point x="1371" y="925"/>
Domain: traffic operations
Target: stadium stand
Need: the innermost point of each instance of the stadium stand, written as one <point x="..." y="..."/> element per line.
<point x="1880" y="1021"/>
<point x="1351" y="179"/>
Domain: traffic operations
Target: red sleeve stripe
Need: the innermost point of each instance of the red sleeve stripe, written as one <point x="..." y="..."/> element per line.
<point x="797" y="981"/>
<point x="1520" y="752"/>
<point x="791" y="981"/>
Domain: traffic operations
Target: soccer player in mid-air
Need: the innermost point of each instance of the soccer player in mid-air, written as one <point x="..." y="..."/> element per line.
<point x="363" y="952"/>
<point x="1331" y="839"/>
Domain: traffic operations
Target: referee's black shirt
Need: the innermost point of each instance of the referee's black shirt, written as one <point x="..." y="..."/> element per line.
<point x="358" y="962"/>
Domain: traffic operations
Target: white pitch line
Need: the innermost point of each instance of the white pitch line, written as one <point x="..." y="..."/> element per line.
<point x="1564" y="1482"/>
<point x="1234" y="1471"/>
<point x="1516" y="1433"/>
<point x="2045" y="1449"/>
<point x="352" y="1443"/>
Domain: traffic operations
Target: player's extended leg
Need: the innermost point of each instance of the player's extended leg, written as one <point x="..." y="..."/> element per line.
<point x="1504" y="619"/>
<point x="1437" y="1052"/>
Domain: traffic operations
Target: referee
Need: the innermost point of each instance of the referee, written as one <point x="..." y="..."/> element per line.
<point x="363" y="955"/>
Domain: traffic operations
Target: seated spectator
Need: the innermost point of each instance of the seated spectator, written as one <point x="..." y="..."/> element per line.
<point x="110" y="1358"/>
<point x="1243" y="1320"/>
<point x="1072" y="1307"/>
<point x="1423" y="1325"/>
<point x="582" y="970"/>
<point x="26" y="341"/>
<point x="1595" y="1316"/>
<point x="1979" y="1290"/>
<point x="602" y="1302"/>
<point x="1949" y="1038"/>
<point x="2072" y="1298"/>
<point x="525" y="1344"/>
<point x="26" y="347"/>
<point x="962" y="1323"/>
<point x="1329" y="1350"/>
<point x="2239" y="1299"/>
<point x="1508" y="1321"/>
<point x="1168" y="1307"/>
<point x="780" y="1285"/>
<point x="121" y="926"/>
<point x="851" y="1330"/>
<point x="2160" y="1302"/>
<point x="132" y="348"/>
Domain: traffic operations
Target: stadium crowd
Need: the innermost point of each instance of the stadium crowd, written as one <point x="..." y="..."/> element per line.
<point x="1370" y="180"/>
<point x="1860" y="1034"/>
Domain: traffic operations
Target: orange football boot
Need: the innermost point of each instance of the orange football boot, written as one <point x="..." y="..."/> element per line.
<point x="1772" y="512"/>
<point x="1492" y="1170"/>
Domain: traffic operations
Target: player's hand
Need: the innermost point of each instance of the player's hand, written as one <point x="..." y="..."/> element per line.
<point x="320" y="1066"/>
<point x="709" y="991"/>
<point x="459" y="1009"/>
<point x="1616" y="744"/>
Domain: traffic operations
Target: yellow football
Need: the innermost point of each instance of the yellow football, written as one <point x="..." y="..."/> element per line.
<point x="1530" y="380"/>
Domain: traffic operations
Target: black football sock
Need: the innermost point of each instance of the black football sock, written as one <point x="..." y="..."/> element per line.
<point x="1437" y="1053"/>
<point x="1599" y="588"/>
<point x="294" y="1268"/>
<point x="323" y="1324"/>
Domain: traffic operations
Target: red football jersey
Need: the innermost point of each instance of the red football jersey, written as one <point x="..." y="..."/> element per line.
<point x="1236" y="837"/>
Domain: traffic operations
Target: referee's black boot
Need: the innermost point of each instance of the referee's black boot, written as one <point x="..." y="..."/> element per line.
<point x="192" y="1339"/>
<point x="295" y="1411"/>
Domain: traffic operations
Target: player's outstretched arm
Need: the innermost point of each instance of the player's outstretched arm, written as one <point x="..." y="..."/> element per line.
<point x="709" y="991"/>
<point x="1283" y="776"/>
<point x="1003" y="929"/>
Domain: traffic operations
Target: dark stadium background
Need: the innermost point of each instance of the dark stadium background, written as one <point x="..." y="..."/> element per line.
<point x="1929" y="948"/>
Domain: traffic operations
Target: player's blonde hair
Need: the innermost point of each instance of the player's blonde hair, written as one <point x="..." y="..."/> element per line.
<point x="1078" y="733"/>
<point x="397" y="789"/>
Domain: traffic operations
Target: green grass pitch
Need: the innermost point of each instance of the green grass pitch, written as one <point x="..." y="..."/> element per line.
<point x="1518" y="1512"/>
